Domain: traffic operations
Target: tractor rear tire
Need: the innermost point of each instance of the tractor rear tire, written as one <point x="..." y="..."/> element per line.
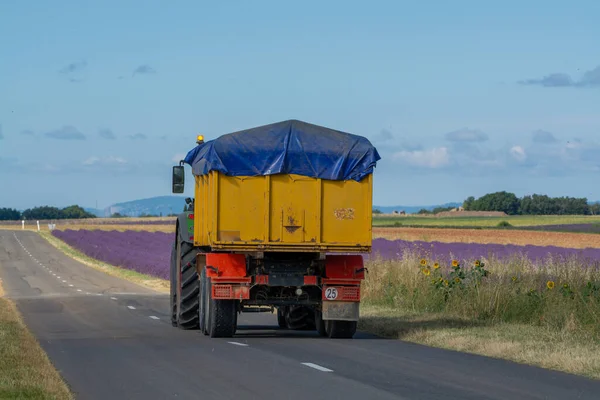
<point x="173" y="286"/>
<point x="340" y="329"/>
<point x="222" y="315"/>
<point x="300" y="318"/>
<point x="190" y="288"/>
<point x="281" y="317"/>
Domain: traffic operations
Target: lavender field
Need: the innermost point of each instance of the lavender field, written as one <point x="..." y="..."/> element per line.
<point x="469" y="252"/>
<point x="149" y="252"/>
<point x="144" y="252"/>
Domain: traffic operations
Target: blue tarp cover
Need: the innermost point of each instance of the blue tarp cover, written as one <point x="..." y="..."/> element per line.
<point x="288" y="147"/>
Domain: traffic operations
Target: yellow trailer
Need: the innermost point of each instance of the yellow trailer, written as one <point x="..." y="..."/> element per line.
<point x="283" y="212"/>
<point x="280" y="216"/>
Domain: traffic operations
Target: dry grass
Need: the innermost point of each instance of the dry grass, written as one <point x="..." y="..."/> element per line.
<point x="448" y="235"/>
<point x="522" y="343"/>
<point x="150" y="282"/>
<point x="25" y="370"/>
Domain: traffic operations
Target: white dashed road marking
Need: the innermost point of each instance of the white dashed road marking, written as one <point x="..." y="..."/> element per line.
<point x="154" y="317"/>
<point x="131" y="307"/>
<point x="79" y="290"/>
<point x="238" y="344"/>
<point x="317" y="367"/>
<point x="113" y="298"/>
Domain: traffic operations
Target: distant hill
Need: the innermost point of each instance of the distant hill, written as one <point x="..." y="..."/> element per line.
<point x="162" y="205"/>
<point x="413" y="209"/>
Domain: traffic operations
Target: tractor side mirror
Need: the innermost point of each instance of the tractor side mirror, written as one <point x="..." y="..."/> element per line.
<point x="178" y="179"/>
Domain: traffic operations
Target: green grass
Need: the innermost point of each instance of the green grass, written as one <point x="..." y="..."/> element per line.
<point x="483" y="222"/>
<point x="25" y="370"/>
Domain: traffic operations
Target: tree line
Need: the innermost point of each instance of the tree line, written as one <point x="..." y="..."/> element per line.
<point x="535" y="204"/>
<point x="45" y="213"/>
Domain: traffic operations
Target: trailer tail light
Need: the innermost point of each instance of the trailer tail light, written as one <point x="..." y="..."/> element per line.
<point x="341" y="293"/>
<point x="222" y="291"/>
<point x="230" y="292"/>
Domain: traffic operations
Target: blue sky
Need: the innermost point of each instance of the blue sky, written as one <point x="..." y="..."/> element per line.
<point x="98" y="98"/>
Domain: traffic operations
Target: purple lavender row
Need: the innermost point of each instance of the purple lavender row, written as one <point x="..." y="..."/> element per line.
<point x="467" y="252"/>
<point x="144" y="252"/>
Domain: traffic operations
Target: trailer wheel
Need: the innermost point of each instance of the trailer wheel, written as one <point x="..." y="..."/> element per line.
<point x="340" y="329"/>
<point x="190" y="287"/>
<point x="320" y="324"/>
<point x="222" y="315"/>
<point x="202" y="319"/>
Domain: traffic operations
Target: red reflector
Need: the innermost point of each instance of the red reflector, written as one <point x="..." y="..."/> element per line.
<point x="190" y="216"/>
<point x="191" y="237"/>
<point x="310" y="280"/>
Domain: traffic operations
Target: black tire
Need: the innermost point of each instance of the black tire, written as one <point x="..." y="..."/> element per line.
<point x="222" y="315"/>
<point x="320" y="324"/>
<point x="202" y="320"/>
<point x="300" y="318"/>
<point x="190" y="288"/>
<point x="173" y="281"/>
<point x="340" y="329"/>
<point x="281" y="317"/>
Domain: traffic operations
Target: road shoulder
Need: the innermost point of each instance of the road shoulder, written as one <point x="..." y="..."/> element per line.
<point x="25" y="370"/>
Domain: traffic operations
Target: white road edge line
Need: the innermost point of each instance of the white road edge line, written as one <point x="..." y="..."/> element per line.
<point x="317" y="367"/>
<point x="238" y="344"/>
<point x="113" y="298"/>
<point x="79" y="290"/>
<point x="70" y="285"/>
<point x="131" y="307"/>
<point x="154" y="317"/>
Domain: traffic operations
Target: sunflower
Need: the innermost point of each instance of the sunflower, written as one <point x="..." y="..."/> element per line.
<point x="436" y="265"/>
<point x="423" y="262"/>
<point x="514" y="278"/>
<point x="446" y="282"/>
<point x="426" y="271"/>
<point x="566" y="285"/>
<point x="550" y="285"/>
<point x="457" y="279"/>
<point x="455" y="263"/>
<point x="477" y="263"/>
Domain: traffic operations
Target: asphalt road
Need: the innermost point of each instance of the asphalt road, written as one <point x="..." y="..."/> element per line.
<point x="111" y="339"/>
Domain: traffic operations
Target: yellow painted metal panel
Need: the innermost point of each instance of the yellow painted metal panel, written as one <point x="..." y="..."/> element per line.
<point x="346" y="211"/>
<point x="282" y="213"/>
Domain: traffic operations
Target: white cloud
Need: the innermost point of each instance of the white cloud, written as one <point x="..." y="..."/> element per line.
<point x="518" y="153"/>
<point x="433" y="158"/>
